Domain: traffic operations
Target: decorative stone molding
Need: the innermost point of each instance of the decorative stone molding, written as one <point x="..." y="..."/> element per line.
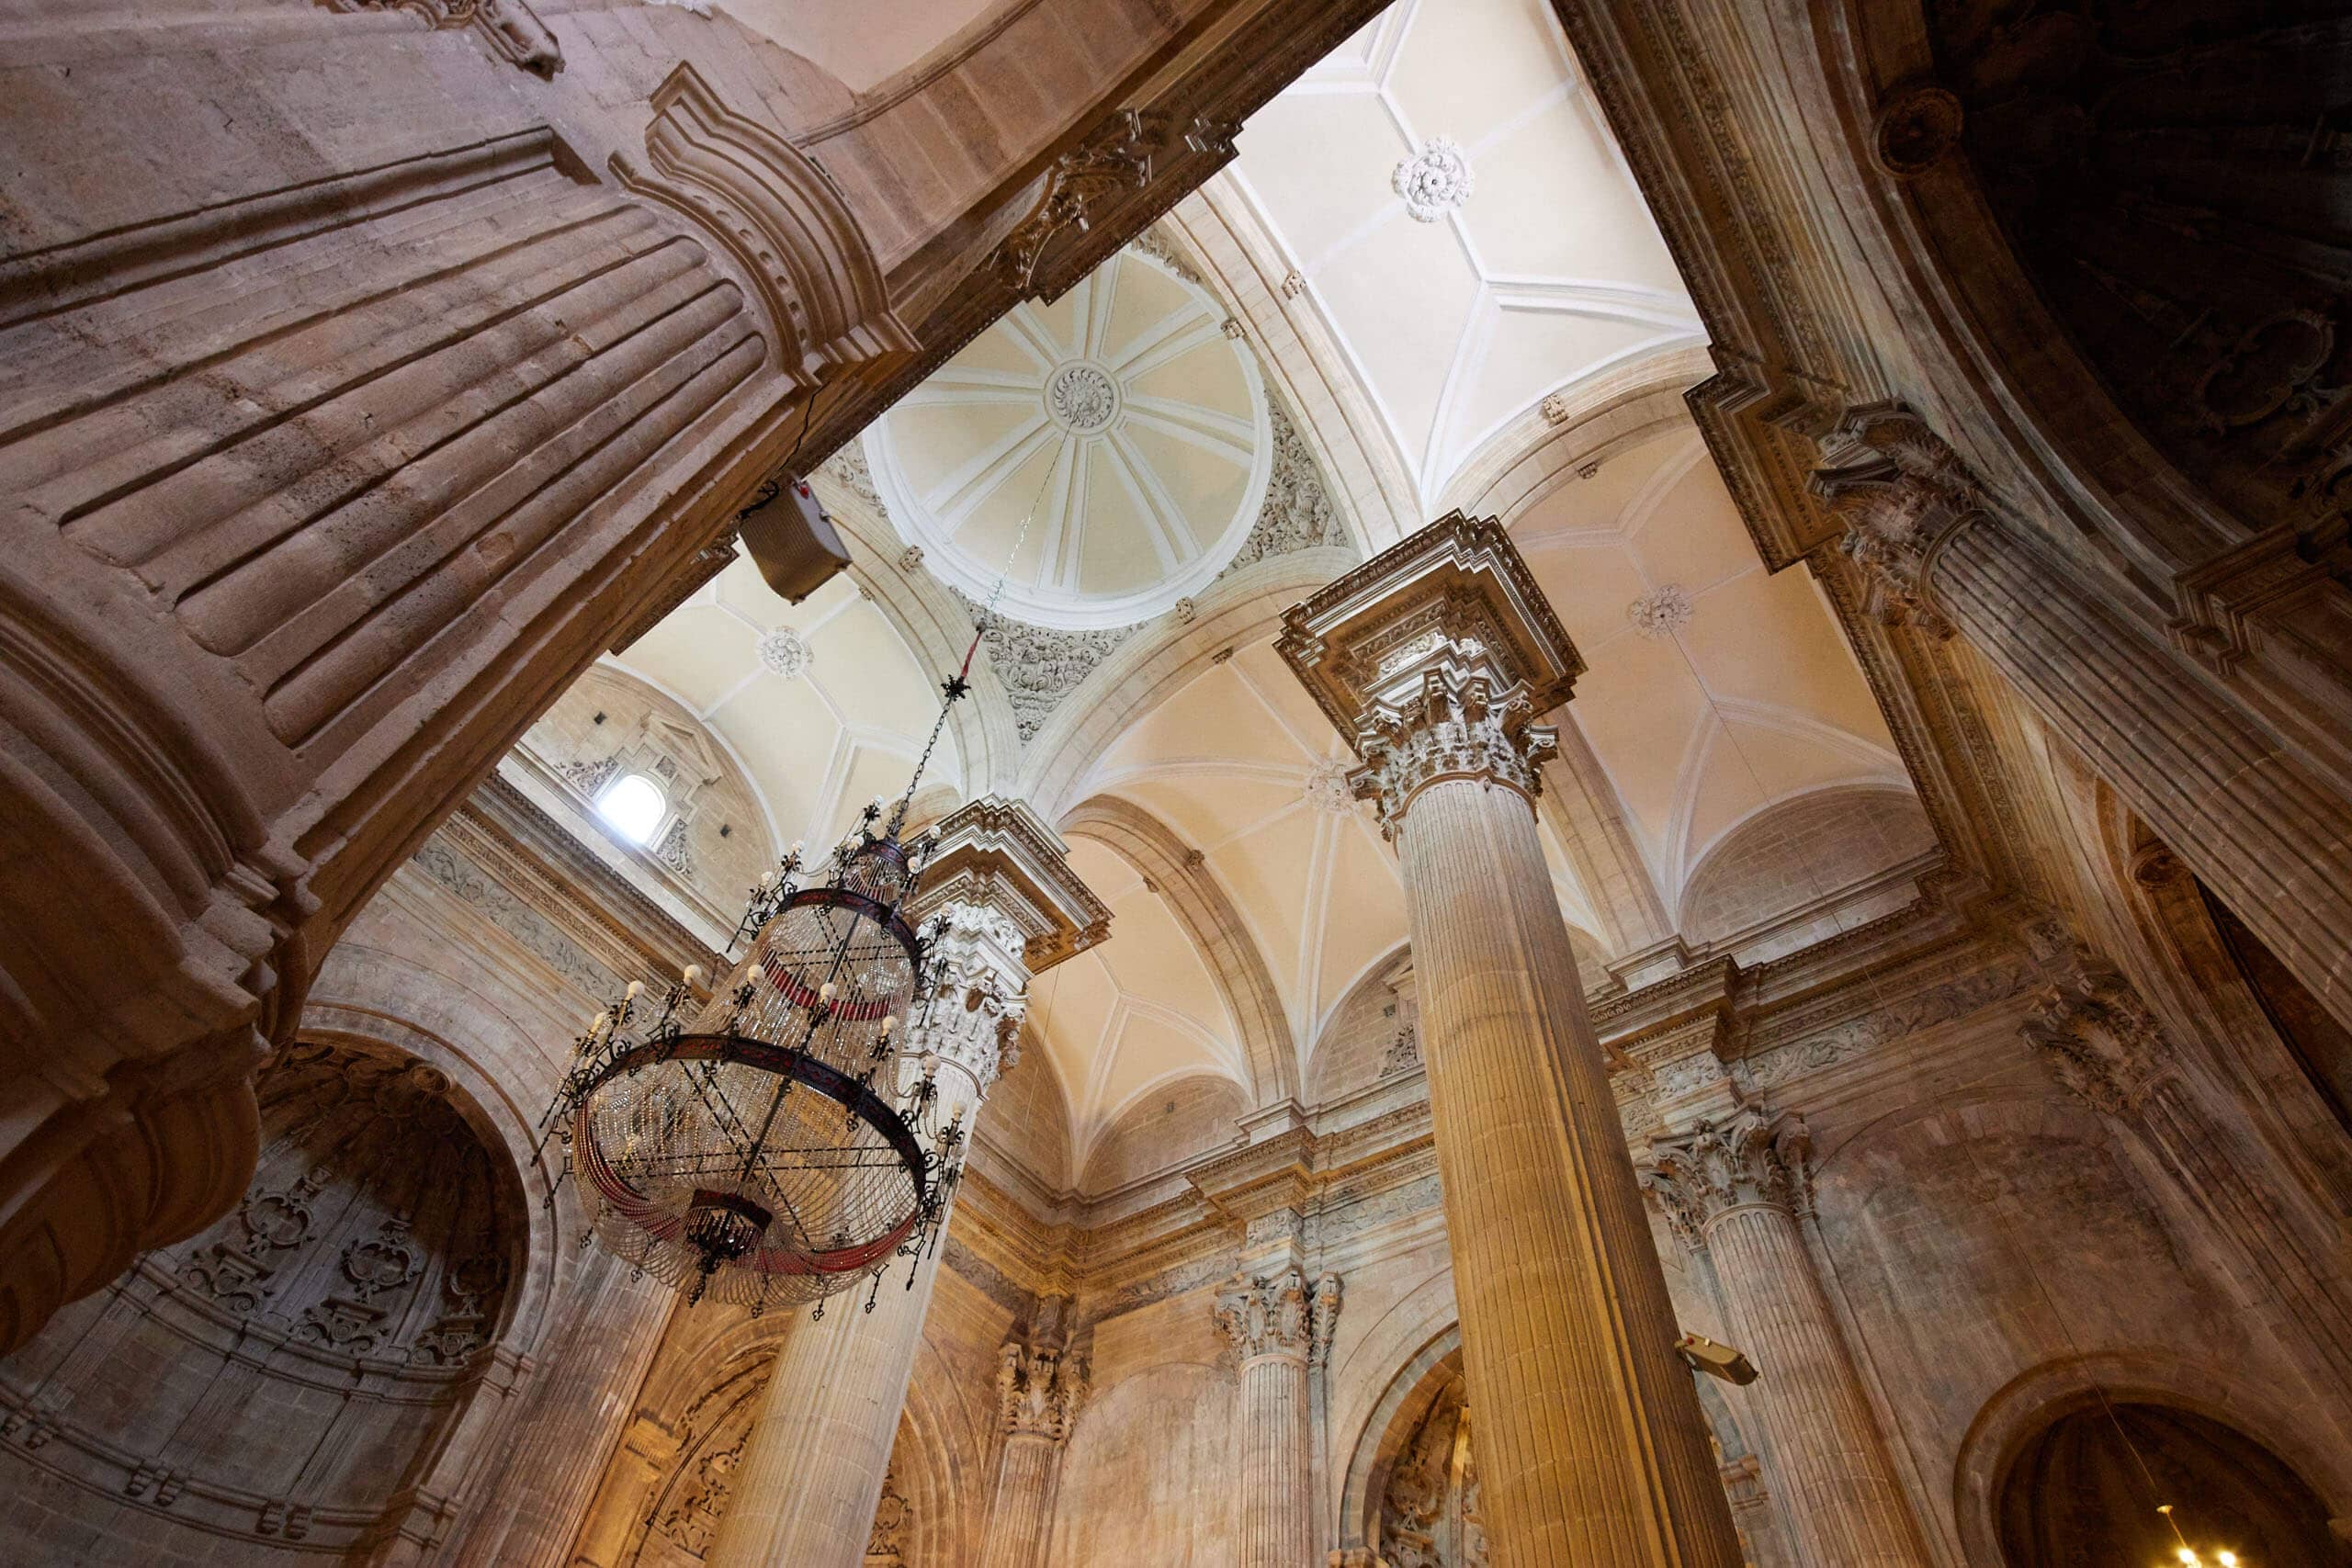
<point x="1039" y="1390"/>
<point x="1917" y="126"/>
<point x="509" y="27"/>
<point x="893" y="1522"/>
<point x="1435" y="180"/>
<point x="784" y="652"/>
<point x="1901" y="492"/>
<point x="1436" y="656"/>
<point x="1120" y="155"/>
<point x="787" y="228"/>
<point x="1662" y="612"/>
<point x="999" y="855"/>
<point x="1041" y="666"/>
<point x="1756" y="1157"/>
<point x="1293" y="284"/>
<point x="1297" y="513"/>
<point x="1262" y="1317"/>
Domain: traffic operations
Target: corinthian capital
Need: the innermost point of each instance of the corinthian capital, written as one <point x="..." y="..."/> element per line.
<point x="1900" y="489"/>
<point x="1269" y="1316"/>
<point x="977" y="992"/>
<point x="1039" y="1392"/>
<point x="1754" y="1157"/>
<point x="1436" y="658"/>
<point x="1455" y="726"/>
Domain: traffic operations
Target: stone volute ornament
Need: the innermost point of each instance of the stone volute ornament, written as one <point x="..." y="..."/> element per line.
<point x="1039" y="1390"/>
<point x="1437" y="656"/>
<point x="1754" y="1157"/>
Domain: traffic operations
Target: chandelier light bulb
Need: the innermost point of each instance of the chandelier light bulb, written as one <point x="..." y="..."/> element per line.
<point x="635" y="989"/>
<point x="825" y="992"/>
<point x="890" y="1022"/>
<point x="691" y="975"/>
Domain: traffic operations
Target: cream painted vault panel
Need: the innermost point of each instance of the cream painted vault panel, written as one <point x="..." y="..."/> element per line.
<point x="822" y="702"/>
<point x="1715" y="689"/>
<point x="1448" y="190"/>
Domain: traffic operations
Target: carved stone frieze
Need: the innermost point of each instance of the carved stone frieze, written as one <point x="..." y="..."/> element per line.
<point x="1297" y="513"/>
<point x="1754" y="1157"/>
<point x="1122" y="155"/>
<point x="1041" y="666"/>
<point x="1039" y="1389"/>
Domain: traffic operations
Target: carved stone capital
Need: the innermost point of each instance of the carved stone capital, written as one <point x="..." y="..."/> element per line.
<point x="1756" y="1157"/>
<point x="1436" y="658"/>
<point x="1039" y="1390"/>
<point x="976" y="995"/>
<point x="1270" y="1316"/>
<point x="2091" y="1028"/>
<point x="1456" y="726"/>
<point x="1323" y="1314"/>
<point x="1901" y="491"/>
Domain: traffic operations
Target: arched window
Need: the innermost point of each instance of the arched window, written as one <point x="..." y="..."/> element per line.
<point x="635" y="806"/>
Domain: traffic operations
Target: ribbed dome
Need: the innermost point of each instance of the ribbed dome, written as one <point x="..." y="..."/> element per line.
<point x="1122" y="412"/>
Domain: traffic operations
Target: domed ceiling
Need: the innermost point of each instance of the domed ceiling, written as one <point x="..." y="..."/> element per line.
<point x="1112" y="446"/>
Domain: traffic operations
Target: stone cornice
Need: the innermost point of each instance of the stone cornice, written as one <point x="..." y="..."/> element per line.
<point x="998" y="852"/>
<point x="539" y="860"/>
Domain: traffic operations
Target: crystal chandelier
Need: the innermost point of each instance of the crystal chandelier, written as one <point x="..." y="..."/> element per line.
<point x="775" y="1143"/>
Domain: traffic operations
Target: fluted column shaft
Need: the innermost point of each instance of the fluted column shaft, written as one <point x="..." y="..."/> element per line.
<point x="1591" y="1446"/>
<point x="1024" y="1510"/>
<point x="558" y="1441"/>
<point x="1277" y="1516"/>
<point x="1830" y="1469"/>
<point x="812" y="1474"/>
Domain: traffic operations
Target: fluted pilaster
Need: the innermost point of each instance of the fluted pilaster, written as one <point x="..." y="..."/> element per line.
<point x="1734" y="1190"/>
<point x="1271" y="1323"/>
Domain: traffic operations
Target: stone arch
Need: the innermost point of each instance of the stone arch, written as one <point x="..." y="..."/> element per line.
<point x="1213" y="924"/>
<point x="1403" y="1400"/>
<point x="1367" y="1036"/>
<point x="1883" y="827"/>
<point x="341" y="1324"/>
<point x="2029" y="1402"/>
<point x="1204" y="1105"/>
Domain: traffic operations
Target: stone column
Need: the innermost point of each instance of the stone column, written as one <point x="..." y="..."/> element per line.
<point x="998" y="904"/>
<point x="1437" y="657"/>
<point x="2263" y="829"/>
<point x="316" y="495"/>
<point x="2105" y="1045"/>
<point x="1038" y="1393"/>
<point x="1270" y="1323"/>
<point x="557" y="1444"/>
<point x="1733" y="1191"/>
